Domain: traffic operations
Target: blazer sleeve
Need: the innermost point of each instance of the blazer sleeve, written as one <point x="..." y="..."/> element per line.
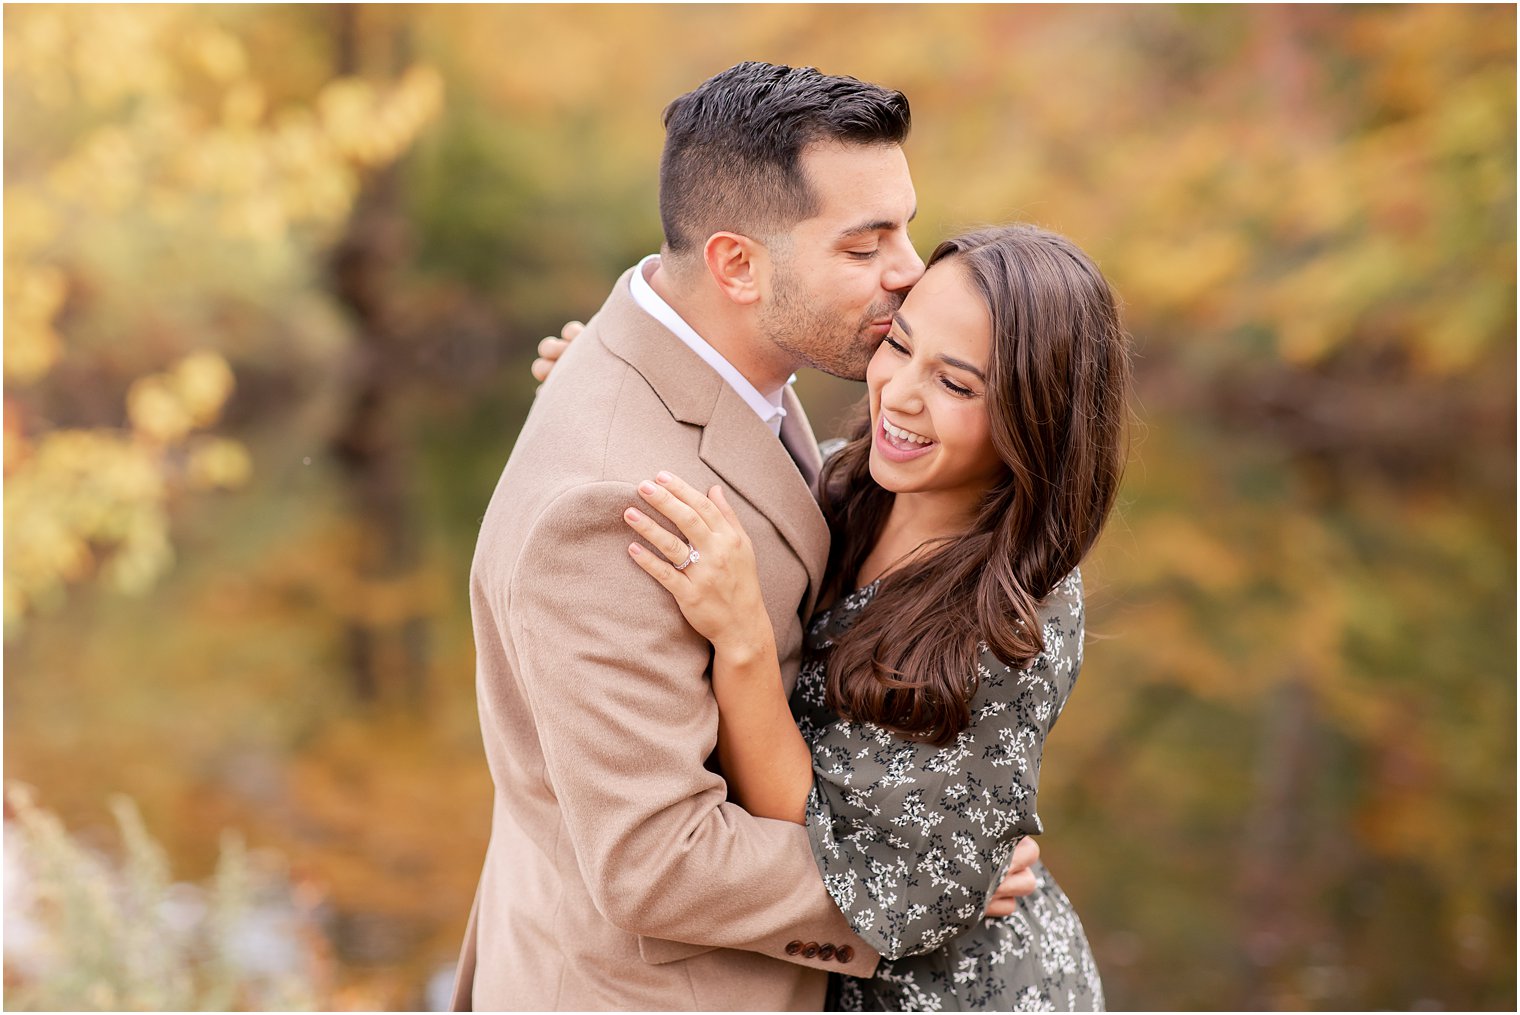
<point x="912" y="839"/>
<point x="622" y="703"/>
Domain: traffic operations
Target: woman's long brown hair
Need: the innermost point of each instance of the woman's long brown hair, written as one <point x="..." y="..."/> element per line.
<point x="1057" y="390"/>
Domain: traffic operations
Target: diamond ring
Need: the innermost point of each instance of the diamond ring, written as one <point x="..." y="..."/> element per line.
<point x="691" y="558"/>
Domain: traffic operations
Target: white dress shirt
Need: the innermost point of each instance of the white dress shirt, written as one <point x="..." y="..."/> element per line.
<point x="767" y="407"/>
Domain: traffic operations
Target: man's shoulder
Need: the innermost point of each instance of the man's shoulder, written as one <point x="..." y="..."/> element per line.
<point x="584" y="445"/>
<point x="601" y="420"/>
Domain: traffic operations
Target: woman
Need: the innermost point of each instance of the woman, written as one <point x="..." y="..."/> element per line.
<point x="959" y="510"/>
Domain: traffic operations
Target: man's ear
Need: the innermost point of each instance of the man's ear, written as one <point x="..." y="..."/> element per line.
<point x="739" y="264"/>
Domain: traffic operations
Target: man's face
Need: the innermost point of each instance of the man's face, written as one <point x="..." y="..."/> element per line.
<point x="838" y="277"/>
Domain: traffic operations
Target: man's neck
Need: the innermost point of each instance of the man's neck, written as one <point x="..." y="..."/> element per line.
<point x="721" y="334"/>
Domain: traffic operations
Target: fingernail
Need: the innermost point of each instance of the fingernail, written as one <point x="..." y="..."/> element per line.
<point x="646" y="487"/>
<point x="663" y="477"/>
<point x="631" y="515"/>
<point x="633" y="548"/>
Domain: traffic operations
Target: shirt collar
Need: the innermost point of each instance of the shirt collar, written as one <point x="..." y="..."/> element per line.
<point x="768" y="407"/>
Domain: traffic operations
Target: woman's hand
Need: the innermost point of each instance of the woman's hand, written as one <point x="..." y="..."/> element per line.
<point x="764" y="758"/>
<point x="719" y="593"/>
<point x="551" y="349"/>
<point x="1018" y="882"/>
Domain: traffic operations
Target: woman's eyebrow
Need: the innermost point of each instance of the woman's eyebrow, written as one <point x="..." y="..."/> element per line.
<point x="963" y="365"/>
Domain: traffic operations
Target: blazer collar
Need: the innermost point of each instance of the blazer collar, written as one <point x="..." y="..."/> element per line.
<point x="688" y="387"/>
<point x="775" y="476"/>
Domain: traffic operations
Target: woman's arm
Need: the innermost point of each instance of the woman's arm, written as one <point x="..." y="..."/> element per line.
<point x="768" y="765"/>
<point x="764" y="758"/>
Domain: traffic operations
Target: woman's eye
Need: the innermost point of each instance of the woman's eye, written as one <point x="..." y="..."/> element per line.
<point x="893" y="343"/>
<point x="957" y="389"/>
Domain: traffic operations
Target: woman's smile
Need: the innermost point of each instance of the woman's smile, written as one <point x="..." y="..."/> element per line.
<point x="899" y="444"/>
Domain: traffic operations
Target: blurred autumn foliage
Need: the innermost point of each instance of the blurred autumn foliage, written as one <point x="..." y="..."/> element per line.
<point x="273" y="277"/>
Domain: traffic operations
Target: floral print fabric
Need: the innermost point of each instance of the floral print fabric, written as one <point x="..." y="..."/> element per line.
<point x="911" y="839"/>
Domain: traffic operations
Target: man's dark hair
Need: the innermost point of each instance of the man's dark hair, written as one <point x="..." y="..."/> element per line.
<point x="733" y="146"/>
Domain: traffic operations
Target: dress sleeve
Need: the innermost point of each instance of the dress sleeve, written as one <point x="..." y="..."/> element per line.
<point x="912" y="839"/>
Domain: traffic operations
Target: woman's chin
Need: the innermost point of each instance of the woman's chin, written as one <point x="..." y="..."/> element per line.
<point x="886" y="476"/>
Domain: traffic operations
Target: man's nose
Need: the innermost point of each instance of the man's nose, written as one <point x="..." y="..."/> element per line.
<point x="907" y="268"/>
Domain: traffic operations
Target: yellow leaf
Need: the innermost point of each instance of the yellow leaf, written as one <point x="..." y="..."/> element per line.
<point x="155" y="412"/>
<point x="219" y="462"/>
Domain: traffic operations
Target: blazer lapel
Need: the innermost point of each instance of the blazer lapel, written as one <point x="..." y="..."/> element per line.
<point x="738" y="446"/>
<point x="775" y="477"/>
<point x="797" y="435"/>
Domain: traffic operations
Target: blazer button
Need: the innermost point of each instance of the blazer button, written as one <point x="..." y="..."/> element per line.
<point x="826" y="952"/>
<point x="810" y="950"/>
<point x="845" y="953"/>
<point x="793" y="947"/>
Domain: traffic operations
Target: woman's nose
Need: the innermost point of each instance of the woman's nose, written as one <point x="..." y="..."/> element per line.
<point x="900" y="395"/>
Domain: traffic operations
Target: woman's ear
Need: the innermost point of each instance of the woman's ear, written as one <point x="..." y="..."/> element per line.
<point x="739" y="264"/>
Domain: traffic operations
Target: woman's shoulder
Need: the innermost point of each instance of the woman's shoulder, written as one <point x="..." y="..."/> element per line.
<point x="1068" y="588"/>
<point x="1062" y="605"/>
<point x="1061" y="632"/>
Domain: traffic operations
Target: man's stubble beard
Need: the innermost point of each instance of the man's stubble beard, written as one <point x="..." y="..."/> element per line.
<point x="814" y="337"/>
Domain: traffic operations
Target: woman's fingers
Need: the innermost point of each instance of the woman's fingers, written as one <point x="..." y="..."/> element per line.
<point x="550" y="349"/>
<point x="1025" y="854"/>
<point x="661" y="499"/>
<point x="726" y="509"/>
<point x="1019" y="881"/>
<point x="692" y="498"/>
<point x="1002" y="907"/>
<point x="657" y="536"/>
<point x="1016" y="884"/>
<point x="659" y="570"/>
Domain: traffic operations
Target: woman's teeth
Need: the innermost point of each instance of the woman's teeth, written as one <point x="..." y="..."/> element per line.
<point x="904" y="435"/>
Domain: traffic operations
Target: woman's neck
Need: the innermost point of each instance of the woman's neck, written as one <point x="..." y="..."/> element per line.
<point x="915" y="523"/>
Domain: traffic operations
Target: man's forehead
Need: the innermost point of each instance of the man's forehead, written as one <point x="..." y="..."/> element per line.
<point x="860" y="188"/>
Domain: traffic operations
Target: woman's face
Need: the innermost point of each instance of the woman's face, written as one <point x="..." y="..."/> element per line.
<point x="928" y="387"/>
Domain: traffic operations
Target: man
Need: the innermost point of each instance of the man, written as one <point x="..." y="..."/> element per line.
<point x="617" y="876"/>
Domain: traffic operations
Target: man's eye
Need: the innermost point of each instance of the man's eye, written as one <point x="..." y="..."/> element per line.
<point x="862" y="255"/>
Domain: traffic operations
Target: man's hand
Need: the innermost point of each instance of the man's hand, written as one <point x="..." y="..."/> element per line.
<point x="1018" y="882"/>
<point x="551" y="349"/>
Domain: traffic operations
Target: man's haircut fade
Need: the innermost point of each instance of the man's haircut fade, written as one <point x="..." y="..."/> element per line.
<point x="733" y="147"/>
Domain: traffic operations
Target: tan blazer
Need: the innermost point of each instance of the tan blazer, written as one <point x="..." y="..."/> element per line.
<point x="617" y="875"/>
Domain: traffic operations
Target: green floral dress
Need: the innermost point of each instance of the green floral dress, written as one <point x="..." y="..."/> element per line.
<point x="912" y="839"/>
